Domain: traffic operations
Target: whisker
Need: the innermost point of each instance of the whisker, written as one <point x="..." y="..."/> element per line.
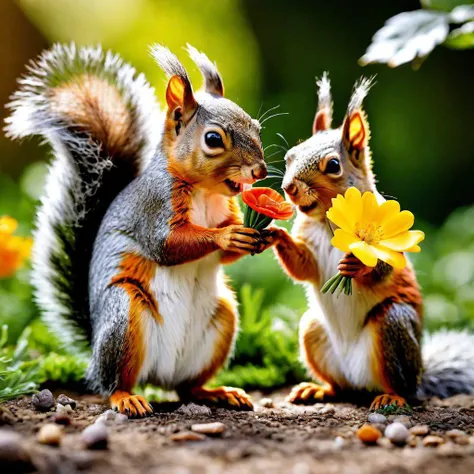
<point x="285" y="140"/>
<point x="259" y="110"/>
<point x="269" y="110"/>
<point x="275" y="145"/>
<point x="273" y="116"/>
<point x="273" y="154"/>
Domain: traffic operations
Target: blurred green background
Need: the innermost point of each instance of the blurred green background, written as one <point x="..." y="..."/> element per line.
<point x="269" y="53"/>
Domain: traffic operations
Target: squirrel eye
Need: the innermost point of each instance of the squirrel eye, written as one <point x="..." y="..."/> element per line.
<point x="213" y="140"/>
<point x="333" y="166"/>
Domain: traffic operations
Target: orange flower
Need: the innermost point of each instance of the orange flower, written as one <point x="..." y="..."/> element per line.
<point x="13" y="249"/>
<point x="268" y="202"/>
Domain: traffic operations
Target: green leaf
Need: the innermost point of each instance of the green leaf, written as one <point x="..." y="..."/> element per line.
<point x="444" y="5"/>
<point x="461" y="38"/>
<point x="407" y="37"/>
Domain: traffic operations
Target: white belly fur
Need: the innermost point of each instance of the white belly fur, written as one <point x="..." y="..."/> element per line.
<point x="342" y="316"/>
<point x="183" y="345"/>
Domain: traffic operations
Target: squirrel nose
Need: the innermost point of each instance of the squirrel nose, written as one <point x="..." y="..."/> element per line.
<point x="259" y="171"/>
<point x="291" y="189"/>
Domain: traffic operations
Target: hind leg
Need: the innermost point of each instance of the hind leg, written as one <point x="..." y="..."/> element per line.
<point x="396" y="358"/>
<point x="118" y="352"/>
<point x="224" y="326"/>
<point x="320" y="359"/>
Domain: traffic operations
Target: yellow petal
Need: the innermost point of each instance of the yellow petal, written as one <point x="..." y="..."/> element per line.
<point x="8" y="225"/>
<point x="364" y="253"/>
<point x="397" y="224"/>
<point x="403" y="241"/>
<point x="353" y="200"/>
<point x="342" y="240"/>
<point x="369" y="207"/>
<point x="414" y="249"/>
<point x="387" y="210"/>
<point x="395" y="259"/>
<point x="341" y="219"/>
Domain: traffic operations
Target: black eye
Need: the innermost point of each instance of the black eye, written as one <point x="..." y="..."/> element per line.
<point x="213" y="140"/>
<point x="333" y="166"/>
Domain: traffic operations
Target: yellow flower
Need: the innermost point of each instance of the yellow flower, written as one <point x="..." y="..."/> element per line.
<point x="371" y="230"/>
<point x="13" y="249"/>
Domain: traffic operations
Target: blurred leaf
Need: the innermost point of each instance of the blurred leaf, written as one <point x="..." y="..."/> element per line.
<point x="444" y="5"/>
<point x="406" y="37"/>
<point x="462" y="14"/>
<point x="462" y="37"/>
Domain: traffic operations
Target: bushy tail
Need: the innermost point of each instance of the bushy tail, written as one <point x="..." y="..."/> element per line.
<point x="448" y="357"/>
<point x="102" y="121"/>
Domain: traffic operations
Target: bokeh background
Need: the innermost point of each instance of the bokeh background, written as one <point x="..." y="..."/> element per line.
<point x="269" y="52"/>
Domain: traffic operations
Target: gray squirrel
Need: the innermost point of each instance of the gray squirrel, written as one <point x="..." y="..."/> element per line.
<point x="138" y="215"/>
<point x="371" y="340"/>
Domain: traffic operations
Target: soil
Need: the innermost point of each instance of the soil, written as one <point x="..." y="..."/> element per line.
<point x="284" y="439"/>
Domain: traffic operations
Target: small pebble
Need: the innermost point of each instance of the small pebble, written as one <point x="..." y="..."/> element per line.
<point x="43" y="401"/>
<point x="6" y="416"/>
<point x="64" y="410"/>
<point x="328" y="409"/>
<point x="191" y="409"/>
<point x="420" y="430"/>
<point x="50" y="434"/>
<point x="397" y="433"/>
<point x="61" y="419"/>
<point x="95" y="436"/>
<point x="432" y="441"/>
<point x="376" y="418"/>
<point x="339" y="442"/>
<point x="187" y="436"/>
<point x="109" y="415"/>
<point x="209" y="428"/>
<point x="266" y="402"/>
<point x="403" y="419"/>
<point x="13" y="455"/>
<point x="458" y="436"/>
<point x="368" y="434"/>
<point x="65" y="400"/>
<point x="121" y="418"/>
<point x="455" y="433"/>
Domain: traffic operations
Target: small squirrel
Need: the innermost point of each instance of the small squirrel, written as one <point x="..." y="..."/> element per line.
<point x="138" y="215"/>
<point x="371" y="340"/>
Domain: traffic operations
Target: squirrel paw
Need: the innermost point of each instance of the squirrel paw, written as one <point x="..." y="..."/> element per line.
<point x="309" y="392"/>
<point x="239" y="239"/>
<point x="133" y="406"/>
<point x="226" y="397"/>
<point x="386" y="399"/>
<point x="350" y="266"/>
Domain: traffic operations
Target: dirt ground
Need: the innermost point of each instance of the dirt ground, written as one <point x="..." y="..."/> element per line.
<point x="283" y="439"/>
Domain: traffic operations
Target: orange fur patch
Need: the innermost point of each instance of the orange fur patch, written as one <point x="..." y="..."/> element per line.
<point x="134" y="277"/>
<point x="296" y="258"/>
<point x="93" y="104"/>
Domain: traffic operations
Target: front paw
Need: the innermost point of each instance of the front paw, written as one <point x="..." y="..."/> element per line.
<point x="239" y="239"/>
<point x="268" y="238"/>
<point x="350" y="266"/>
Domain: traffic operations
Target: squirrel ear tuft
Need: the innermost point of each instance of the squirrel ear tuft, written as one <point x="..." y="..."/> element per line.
<point x="323" y="118"/>
<point x="213" y="83"/>
<point x="356" y="131"/>
<point x="179" y="94"/>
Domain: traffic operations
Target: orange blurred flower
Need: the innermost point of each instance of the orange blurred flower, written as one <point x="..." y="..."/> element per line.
<point x="268" y="202"/>
<point x="13" y="249"/>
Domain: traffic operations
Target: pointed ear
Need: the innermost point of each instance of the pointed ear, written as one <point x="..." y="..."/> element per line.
<point x="213" y="83"/>
<point x="180" y="98"/>
<point x="322" y="121"/>
<point x="323" y="118"/>
<point x="355" y="135"/>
